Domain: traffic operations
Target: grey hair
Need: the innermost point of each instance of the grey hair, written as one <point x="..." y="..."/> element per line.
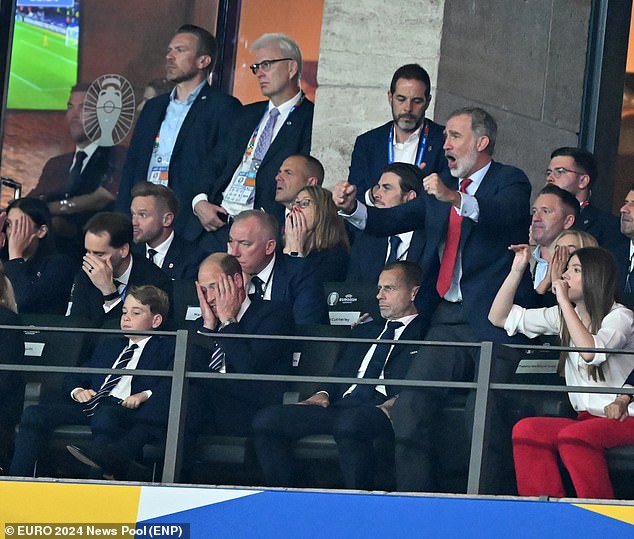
<point x="482" y="124"/>
<point x="287" y="45"/>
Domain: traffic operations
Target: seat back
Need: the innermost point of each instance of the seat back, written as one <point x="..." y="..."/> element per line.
<point x="313" y="358"/>
<point x="49" y="348"/>
<point x="185" y="307"/>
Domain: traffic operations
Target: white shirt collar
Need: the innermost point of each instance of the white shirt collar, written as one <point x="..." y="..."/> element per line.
<point x="285" y="107"/>
<point x="163" y="247"/>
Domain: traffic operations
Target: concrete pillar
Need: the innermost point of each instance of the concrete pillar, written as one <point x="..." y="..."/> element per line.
<point x="362" y="44"/>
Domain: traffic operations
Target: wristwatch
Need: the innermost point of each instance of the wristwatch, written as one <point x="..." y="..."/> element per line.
<point x="110" y="297"/>
<point x="227" y="322"/>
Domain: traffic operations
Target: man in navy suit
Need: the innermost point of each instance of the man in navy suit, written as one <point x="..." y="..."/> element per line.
<point x="399" y="183"/>
<point x="481" y="209"/>
<point x="76" y="185"/>
<point x="575" y="170"/>
<point x="109" y="269"/>
<point x="179" y="136"/>
<point x="267" y="133"/>
<point x="153" y="209"/>
<point x="408" y="138"/>
<point x="356" y="414"/>
<point x="274" y="275"/>
<point x="227" y="406"/>
<point x="124" y="412"/>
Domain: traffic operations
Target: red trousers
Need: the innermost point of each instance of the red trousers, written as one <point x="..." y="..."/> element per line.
<point x="580" y="443"/>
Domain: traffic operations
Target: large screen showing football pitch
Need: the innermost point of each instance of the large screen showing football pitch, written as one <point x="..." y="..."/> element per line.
<point x="43" y="54"/>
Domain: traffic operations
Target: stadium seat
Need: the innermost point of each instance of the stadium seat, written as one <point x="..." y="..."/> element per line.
<point x="231" y="459"/>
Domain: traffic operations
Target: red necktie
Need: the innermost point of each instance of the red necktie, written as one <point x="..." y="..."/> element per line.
<point x="448" y="261"/>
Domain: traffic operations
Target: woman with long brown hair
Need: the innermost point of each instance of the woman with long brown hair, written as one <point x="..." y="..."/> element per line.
<point x="586" y="316"/>
<point x="315" y="231"/>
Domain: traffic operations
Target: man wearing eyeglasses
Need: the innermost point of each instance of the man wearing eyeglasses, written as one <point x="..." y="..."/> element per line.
<point x="575" y="170"/>
<point x="268" y="132"/>
<point x="408" y="138"/>
<point x="178" y="135"/>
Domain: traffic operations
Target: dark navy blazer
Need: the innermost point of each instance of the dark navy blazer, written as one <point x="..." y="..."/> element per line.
<point x="198" y="151"/>
<point x="158" y="354"/>
<point x="88" y="300"/>
<point x="503" y="198"/>
<point x="296" y="282"/>
<point x="370" y="155"/>
<point x="368" y="255"/>
<point x="293" y="138"/>
<point x="231" y="402"/>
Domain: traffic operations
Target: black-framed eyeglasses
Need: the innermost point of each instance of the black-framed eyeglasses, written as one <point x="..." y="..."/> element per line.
<point x="557" y="172"/>
<point x="265" y="65"/>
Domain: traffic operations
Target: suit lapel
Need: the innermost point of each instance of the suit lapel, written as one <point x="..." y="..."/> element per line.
<point x="190" y="118"/>
<point x="286" y="132"/>
<point x="485" y="190"/>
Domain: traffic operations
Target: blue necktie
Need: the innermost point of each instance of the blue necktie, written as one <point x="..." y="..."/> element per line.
<point x="395" y="242"/>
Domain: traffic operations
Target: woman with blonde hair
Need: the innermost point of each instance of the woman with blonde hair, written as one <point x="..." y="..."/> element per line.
<point x="564" y="245"/>
<point x="315" y="231"/>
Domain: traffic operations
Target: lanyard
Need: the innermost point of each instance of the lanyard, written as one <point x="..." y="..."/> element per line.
<point x="254" y="136"/>
<point x="421" y="147"/>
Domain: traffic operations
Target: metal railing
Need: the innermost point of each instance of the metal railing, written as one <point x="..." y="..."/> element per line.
<point x="483" y="385"/>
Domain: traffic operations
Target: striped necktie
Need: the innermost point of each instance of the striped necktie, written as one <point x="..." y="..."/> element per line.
<point x="111" y="380"/>
<point x="217" y="358"/>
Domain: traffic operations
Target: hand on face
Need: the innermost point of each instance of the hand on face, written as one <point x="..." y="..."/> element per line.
<point x="295" y="231"/>
<point x="558" y="263"/>
<point x="228" y="297"/>
<point x="100" y="272"/>
<point x="21" y="236"/>
<point x="209" y="318"/>
<point x="560" y="289"/>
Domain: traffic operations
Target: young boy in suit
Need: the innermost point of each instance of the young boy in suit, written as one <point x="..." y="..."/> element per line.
<point x="124" y="411"/>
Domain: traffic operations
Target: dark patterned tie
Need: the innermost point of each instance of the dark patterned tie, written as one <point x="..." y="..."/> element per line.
<point x="377" y="362"/>
<point x="629" y="281"/>
<point x="111" y="380"/>
<point x="217" y="358"/>
<point x="259" y="287"/>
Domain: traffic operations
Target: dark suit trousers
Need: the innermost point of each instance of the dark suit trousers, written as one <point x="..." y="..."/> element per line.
<point x="415" y="411"/>
<point x="38" y="422"/>
<point x="355" y="427"/>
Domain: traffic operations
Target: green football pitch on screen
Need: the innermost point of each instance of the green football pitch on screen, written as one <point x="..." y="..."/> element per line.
<point x="43" y="68"/>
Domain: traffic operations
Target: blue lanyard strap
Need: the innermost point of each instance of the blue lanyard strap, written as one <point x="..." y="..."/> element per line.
<point x="422" y="147"/>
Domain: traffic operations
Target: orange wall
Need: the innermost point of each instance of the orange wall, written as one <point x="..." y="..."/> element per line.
<point x="300" y="20"/>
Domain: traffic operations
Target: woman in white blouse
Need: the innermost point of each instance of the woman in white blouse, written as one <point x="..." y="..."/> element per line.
<point x="586" y="316"/>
